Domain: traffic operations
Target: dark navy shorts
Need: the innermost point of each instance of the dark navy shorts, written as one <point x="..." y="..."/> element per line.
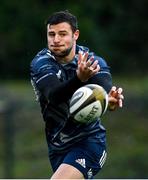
<point x="87" y="157"/>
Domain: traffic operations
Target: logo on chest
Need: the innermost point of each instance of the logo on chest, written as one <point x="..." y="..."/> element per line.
<point x="59" y="74"/>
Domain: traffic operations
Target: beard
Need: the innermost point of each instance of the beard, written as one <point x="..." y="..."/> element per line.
<point x="63" y="53"/>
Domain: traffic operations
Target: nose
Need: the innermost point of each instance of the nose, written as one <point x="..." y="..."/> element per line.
<point x="56" y="38"/>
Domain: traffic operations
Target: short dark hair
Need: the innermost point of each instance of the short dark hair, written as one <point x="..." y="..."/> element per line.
<point x="63" y="16"/>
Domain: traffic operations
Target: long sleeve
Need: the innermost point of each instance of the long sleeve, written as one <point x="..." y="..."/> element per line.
<point x="56" y="91"/>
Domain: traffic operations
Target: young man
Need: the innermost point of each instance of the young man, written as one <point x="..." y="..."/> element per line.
<point x="76" y="151"/>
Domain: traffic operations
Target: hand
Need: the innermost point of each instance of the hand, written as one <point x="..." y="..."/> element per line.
<point x="115" y="98"/>
<point x="86" y="68"/>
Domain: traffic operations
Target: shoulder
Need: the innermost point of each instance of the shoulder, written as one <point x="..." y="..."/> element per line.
<point x="81" y="48"/>
<point x="102" y="62"/>
<point x="42" y="58"/>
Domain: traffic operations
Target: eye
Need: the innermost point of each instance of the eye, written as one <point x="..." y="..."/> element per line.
<point x="51" y="34"/>
<point x="62" y="34"/>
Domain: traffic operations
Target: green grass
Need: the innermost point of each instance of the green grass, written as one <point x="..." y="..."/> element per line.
<point x="136" y="85"/>
<point x="126" y="132"/>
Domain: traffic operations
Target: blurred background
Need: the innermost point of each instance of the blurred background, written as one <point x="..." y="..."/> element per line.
<point x="117" y="30"/>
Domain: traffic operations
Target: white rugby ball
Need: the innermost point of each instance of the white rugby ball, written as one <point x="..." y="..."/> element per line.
<point x="88" y="103"/>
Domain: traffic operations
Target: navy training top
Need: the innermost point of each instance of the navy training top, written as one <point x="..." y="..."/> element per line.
<point x="54" y="85"/>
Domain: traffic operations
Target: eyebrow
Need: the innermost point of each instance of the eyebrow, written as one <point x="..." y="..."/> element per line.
<point x="62" y="31"/>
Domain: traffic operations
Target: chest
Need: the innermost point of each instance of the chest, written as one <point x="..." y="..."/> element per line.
<point x="66" y="72"/>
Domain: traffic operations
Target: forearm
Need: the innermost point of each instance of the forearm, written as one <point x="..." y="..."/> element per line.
<point x="56" y="91"/>
<point x="103" y="79"/>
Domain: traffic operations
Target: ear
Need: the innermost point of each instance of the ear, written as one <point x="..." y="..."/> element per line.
<point x="76" y="34"/>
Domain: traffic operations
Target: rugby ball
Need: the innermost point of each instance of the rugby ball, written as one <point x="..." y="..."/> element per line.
<point x="88" y="103"/>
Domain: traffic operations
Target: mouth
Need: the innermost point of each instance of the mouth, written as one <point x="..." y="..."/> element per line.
<point x="56" y="46"/>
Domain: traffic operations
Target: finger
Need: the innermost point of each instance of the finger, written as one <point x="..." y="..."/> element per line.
<point x="85" y="55"/>
<point x="113" y="91"/>
<point x="80" y="52"/>
<point x="96" y="69"/>
<point x="94" y="65"/>
<point x="79" y="57"/>
<point x="121" y="96"/>
<point x="82" y="58"/>
<point x="120" y="103"/>
<point x="120" y="90"/>
<point x="119" y="93"/>
<point x="113" y="88"/>
<point x="89" y="62"/>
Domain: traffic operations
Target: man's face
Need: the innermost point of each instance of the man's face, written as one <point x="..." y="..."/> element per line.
<point x="61" y="39"/>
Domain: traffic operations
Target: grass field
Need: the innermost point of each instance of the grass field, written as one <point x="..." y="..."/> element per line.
<point x="23" y="149"/>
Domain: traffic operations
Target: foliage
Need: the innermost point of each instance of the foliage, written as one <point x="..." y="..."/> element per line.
<point x="116" y="30"/>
